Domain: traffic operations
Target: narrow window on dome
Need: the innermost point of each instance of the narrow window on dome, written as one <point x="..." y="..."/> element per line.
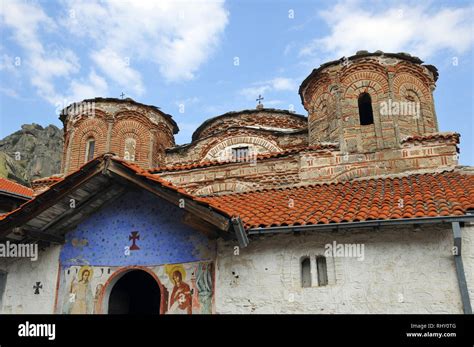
<point x="305" y="272"/>
<point x="90" y="148"/>
<point x="322" y="270"/>
<point x="130" y="147"/>
<point x="366" y="115"/>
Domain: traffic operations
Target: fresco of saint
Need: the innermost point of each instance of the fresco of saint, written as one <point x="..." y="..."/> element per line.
<point x="181" y="296"/>
<point x="80" y="292"/>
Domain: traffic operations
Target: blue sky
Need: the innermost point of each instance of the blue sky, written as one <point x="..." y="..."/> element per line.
<point x="200" y="59"/>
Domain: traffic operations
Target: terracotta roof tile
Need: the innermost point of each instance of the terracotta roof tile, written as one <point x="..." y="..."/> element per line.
<point x="15" y="188"/>
<point x="434" y="136"/>
<point x="414" y="196"/>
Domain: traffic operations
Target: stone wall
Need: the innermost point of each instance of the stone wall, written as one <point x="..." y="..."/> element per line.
<point x="219" y="146"/>
<point x="321" y="164"/>
<point x="400" y="89"/>
<point x="260" y="117"/>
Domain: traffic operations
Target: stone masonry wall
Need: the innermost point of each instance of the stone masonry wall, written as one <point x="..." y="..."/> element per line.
<point x="331" y="99"/>
<point x="211" y="148"/>
<point x="316" y="166"/>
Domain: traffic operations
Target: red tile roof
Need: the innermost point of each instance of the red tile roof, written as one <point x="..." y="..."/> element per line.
<point x="413" y="196"/>
<point x="436" y="136"/>
<point x="47" y="180"/>
<point x="94" y="162"/>
<point x="15" y="188"/>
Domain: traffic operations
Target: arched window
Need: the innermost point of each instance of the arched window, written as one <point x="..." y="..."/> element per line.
<point x="322" y="270"/>
<point x="130" y="147"/>
<point x="305" y="272"/>
<point x="90" y="148"/>
<point x="366" y="115"/>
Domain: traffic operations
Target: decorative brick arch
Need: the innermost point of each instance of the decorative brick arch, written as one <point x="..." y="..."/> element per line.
<point x="211" y="153"/>
<point x="416" y="71"/>
<point x="235" y="187"/>
<point x="404" y="80"/>
<point x="405" y="85"/>
<point x="113" y="279"/>
<point x="359" y="80"/>
<point x="323" y="111"/>
<point x="160" y="125"/>
<point x="316" y="88"/>
<point x="367" y="137"/>
<point x="85" y="128"/>
<point x="131" y="128"/>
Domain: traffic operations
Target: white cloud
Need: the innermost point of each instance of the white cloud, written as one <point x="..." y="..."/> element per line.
<point x="187" y="101"/>
<point x="91" y="87"/>
<point x="175" y="36"/>
<point x="118" y="69"/>
<point x="421" y="30"/>
<point x="276" y="84"/>
<point x="178" y="36"/>
<point x="44" y="64"/>
<point x="9" y="92"/>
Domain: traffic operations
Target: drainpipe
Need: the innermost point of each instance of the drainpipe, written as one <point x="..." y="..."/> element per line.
<point x="466" y="302"/>
<point x="240" y="232"/>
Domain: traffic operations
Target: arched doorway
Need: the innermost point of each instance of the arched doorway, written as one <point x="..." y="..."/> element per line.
<point x="135" y="292"/>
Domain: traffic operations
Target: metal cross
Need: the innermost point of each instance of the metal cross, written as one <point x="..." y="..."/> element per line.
<point x="122" y="95"/>
<point x="259" y="99"/>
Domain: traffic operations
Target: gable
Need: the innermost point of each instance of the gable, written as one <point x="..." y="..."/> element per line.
<point x="69" y="202"/>
<point x="105" y="238"/>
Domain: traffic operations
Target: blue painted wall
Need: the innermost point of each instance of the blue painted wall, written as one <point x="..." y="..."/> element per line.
<point x="102" y="238"/>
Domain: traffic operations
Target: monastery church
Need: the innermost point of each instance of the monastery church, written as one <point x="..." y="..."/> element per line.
<point x="359" y="206"/>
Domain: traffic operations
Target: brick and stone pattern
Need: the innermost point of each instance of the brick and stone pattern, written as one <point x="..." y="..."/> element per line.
<point x="264" y="118"/>
<point x="262" y="130"/>
<point x="285" y="149"/>
<point x="219" y="146"/>
<point x="110" y="122"/>
<point x="323" y="164"/>
<point x="330" y="95"/>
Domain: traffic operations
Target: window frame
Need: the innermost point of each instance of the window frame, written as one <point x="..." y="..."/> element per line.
<point x="366" y="116"/>
<point x="236" y="154"/>
<point x="90" y="140"/>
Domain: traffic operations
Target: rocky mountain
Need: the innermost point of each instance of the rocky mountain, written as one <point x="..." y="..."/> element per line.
<point x="30" y="153"/>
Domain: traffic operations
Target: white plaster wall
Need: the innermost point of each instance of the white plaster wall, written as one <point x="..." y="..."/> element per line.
<point x="22" y="275"/>
<point x="403" y="272"/>
<point x="467" y="251"/>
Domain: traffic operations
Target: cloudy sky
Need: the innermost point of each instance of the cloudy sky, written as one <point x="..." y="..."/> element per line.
<point x="199" y="59"/>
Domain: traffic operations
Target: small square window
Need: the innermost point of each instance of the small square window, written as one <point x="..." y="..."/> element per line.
<point x="240" y="153"/>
